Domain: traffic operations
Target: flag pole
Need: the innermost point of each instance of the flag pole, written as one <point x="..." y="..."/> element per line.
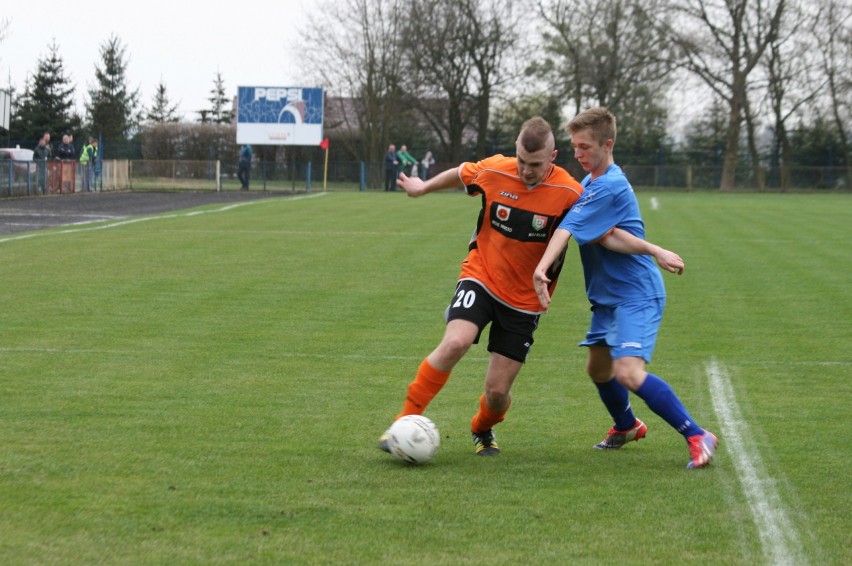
<point x="324" y="145"/>
<point x="325" y="169"/>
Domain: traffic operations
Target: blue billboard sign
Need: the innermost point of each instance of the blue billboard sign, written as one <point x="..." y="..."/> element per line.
<point x="279" y="115"/>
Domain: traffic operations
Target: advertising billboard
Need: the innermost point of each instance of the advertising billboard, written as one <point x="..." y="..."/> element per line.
<point x="279" y="115"/>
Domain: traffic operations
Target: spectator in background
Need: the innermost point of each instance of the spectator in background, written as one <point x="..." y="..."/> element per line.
<point x="406" y="161"/>
<point x="42" y="150"/>
<point x="49" y="147"/>
<point x="41" y="154"/>
<point x="426" y="165"/>
<point x="244" y="168"/>
<point x="391" y="168"/>
<point x="66" y="149"/>
<point x="88" y="159"/>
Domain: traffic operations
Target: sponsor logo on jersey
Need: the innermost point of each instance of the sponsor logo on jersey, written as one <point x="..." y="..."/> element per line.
<point x="509" y="195"/>
<point x="519" y="224"/>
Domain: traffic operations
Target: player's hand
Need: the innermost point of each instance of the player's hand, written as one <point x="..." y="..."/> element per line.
<point x="540" y="282"/>
<point x="413" y="186"/>
<point x="670" y="261"/>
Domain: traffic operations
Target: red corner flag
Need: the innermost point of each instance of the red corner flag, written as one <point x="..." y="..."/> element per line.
<point x="324" y="143"/>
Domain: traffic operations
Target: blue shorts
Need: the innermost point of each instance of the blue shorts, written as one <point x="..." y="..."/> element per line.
<point x="629" y="329"/>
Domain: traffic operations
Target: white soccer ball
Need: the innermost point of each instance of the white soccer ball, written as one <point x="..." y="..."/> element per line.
<point x="414" y="439"/>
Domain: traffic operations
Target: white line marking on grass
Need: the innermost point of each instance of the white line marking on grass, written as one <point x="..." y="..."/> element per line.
<point x="655" y="204"/>
<point x="146" y="219"/>
<point x="778" y="538"/>
<point x="56" y="214"/>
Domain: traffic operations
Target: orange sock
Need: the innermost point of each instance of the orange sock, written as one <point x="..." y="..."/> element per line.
<point x="427" y="383"/>
<point x="486" y="418"/>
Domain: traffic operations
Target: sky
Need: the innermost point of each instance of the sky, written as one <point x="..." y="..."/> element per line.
<point x="183" y="43"/>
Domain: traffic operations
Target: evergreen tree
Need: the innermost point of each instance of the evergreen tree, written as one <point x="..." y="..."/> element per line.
<point x="46" y="104"/>
<point x="705" y="137"/>
<point x="114" y="109"/>
<point x="20" y="123"/>
<point x="219" y="111"/>
<point x="162" y="111"/>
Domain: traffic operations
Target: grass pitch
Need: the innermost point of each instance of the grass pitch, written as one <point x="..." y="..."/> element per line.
<point x="208" y="388"/>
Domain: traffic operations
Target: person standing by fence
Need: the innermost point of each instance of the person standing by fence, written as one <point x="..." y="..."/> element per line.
<point x="42" y="150"/>
<point x="88" y="159"/>
<point x="66" y="149"/>
<point x="67" y="154"/>
<point x="391" y="168"/>
<point x="426" y="166"/>
<point x="41" y="154"/>
<point x="406" y="161"/>
<point x="244" y="167"/>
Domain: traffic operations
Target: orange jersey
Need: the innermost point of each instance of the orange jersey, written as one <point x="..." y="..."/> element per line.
<point x="514" y="227"/>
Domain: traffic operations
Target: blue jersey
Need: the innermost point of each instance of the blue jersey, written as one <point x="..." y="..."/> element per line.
<point x="612" y="278"/>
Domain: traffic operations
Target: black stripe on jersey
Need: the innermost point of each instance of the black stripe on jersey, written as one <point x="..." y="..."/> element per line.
<point x="472" y="190"/>
<point x="519" y="224"/>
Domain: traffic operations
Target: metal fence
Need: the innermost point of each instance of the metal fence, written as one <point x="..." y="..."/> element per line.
<point x="22" y="178"/>
<point x="26" y="178"/>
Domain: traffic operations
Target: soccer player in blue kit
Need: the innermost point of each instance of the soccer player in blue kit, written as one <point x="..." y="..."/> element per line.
<point x="625" y="289"/>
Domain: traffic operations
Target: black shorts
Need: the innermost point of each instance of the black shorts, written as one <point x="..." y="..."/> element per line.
<point x="511" y="332"/>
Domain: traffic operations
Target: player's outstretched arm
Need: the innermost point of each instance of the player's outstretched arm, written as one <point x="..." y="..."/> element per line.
<point x="554" y="250"/>
<point x="416" y="187"/>
<point x="626" y="243"/>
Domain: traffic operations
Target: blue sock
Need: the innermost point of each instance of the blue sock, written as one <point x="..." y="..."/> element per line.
<point x="615" y="397"/>
<point x="663" y="401"/>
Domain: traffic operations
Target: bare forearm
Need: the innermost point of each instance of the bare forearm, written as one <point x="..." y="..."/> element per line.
<point x="416" y="187"/>
<point x="551" y="253"/>
<point x="554" y="248"/>
<point x="626" y="243"/>
<point x="448" y="179"/>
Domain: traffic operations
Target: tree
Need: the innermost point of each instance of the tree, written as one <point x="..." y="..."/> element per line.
<point x="604" y="53"/>
<point x="705" y="140"/>
<point x="162" y="111"/>
<point x="835" y="46"/>
<point x="47" y="102"/>
<point x="361" y="61"/>
<point x="438" y="70"/>
<point x="491" y="28"/>
<point x="509" y="115"/>
<point x="791" y="84"/>
<point x="722" y="43"/>
<point x="113" y="109"/>
<point x="218" y="113"/>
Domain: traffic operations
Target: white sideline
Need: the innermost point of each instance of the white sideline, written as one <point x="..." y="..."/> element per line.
<point x="134" y="220"/>
<point x="778" y="537"/>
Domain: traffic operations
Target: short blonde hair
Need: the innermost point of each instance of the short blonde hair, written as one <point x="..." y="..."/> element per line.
<point x="598" y="119"/>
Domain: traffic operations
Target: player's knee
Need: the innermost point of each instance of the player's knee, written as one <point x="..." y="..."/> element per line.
<point x="497" y="396"/>
<point x="454" y="347"/>
<point x="599" y="373"/>
<point x="629" y="377"/>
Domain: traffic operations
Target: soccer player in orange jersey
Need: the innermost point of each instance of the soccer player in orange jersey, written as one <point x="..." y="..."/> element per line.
<point x="524" y="198"/>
